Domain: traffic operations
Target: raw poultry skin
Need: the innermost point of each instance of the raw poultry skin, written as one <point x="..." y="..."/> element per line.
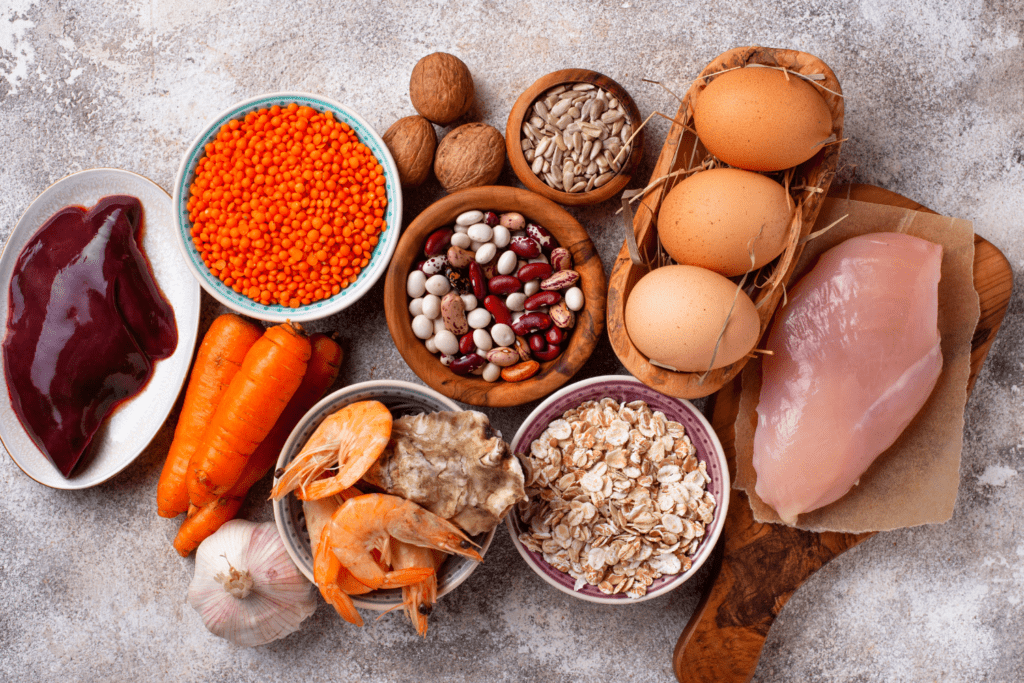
<point x="854" y="356"/>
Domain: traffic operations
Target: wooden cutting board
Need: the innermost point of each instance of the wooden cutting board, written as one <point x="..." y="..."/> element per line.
<point x="723" y="640"/>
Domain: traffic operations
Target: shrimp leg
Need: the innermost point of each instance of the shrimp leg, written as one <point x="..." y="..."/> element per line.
<point x="418" y="599"/>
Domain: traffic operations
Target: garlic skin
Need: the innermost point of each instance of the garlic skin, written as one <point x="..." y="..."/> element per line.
<point x="246" y="588"/>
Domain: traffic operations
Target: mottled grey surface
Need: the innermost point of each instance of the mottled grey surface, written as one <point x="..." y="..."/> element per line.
<point x="92" y="589"/>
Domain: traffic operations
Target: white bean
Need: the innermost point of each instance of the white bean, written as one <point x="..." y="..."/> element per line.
<point x="500" y="236"/>
<point x="507" y="263"/>
<point x="469" y="301"/>
<point x="423" y="327"/>
<point x="431" y="344"/>
<point x="516" y="301"/>
<point x="461" y="240"/>
<point x="474" y="245"/>
<point x="486" y="253"/>
<point x="481" y="232"/>
<point x="415" y="286"/>
<point x="446" y="342"/>
<point x="460" y="229"/>
<point x="437" y="285"/>
<point x="503" y="335"/>
<point x="478" y="318"/>
<point x="431" y="306"/>
<point x="574" y="298"/>
<point x="491" y="372"/>
<point x="530" y="288"/>
<point x="438" y="324"/>
<point x="483" y="341"/>
<point x="469" y="218"/>
<point x="416" y="306"/>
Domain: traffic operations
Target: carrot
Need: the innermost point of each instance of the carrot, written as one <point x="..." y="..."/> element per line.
<point x="218" y="359"/>
<point x="320" y="374"/>
<point x="271" y="372"/>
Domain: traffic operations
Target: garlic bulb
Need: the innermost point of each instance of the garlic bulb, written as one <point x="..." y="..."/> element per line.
<point x="246" y="588"/>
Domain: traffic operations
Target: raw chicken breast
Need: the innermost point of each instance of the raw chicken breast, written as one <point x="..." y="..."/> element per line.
<point x="855" y="356"/>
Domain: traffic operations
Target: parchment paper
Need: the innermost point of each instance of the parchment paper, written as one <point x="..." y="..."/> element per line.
<point x="915" y="481"/>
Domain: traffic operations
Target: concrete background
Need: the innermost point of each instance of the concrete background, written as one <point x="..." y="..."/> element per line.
<point x="93" y="591"/>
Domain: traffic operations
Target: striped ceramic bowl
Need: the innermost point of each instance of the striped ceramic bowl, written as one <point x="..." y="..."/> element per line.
<point x="624" y="388"/>
<point x="381" y="254"/>
<point x="401" y="398"/>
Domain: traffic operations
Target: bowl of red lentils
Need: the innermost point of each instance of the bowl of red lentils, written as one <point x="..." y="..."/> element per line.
<point x="288" y="207"/>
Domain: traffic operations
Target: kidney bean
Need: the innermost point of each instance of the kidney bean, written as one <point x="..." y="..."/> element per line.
<point x="438" y="242"/>
<point x="524" y="246"/>
<point x="458" y="280"/>
<point x="490" y="218"/>
<point x="552" y="352"/>
<point x="498" y="309"/>
<point x="453" y="312"/>
<point x="561" y="259"/>
<point x="459" y="257"/>
<point x="503" y="356"/>
<point x="560" y="280"/>
<point x="504" y="284"/>
<point x="561" y="316"/>
<point x="534" y="271"/>
<point x="433" y="265"/>
<point x="512" y="220"/>
<point x="490" y="269"/>
<point x="522" y="347"/>
<point x="537" y="343"/>
<point x="464" y="365"/>
<point x="555" y="335"/>
<point x="544" y="239"/>
<point x="467" y="343"/>
<point x="531" y="322"/>
<point x="476" y="279"/>
<point x="540" y="299"/>
<point x="520" y="371"/>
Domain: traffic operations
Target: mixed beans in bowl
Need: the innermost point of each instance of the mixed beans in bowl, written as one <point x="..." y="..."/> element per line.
<point x="495" y="296"/>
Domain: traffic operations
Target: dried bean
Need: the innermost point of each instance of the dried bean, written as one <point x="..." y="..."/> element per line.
<point x="541" y="299"/>
<point x="498" y="309"/>
<point x="520" y="371"/>
<point x="477" y="280"/>
<point x="453" y="313"/>
<point x="464" y="365"/>
<point x="504" y="284"/>
<point x="531" y="322"/>
<point x="534" y="271"/>
<point x="438" y="242"/>
<point x="523" y="246"/>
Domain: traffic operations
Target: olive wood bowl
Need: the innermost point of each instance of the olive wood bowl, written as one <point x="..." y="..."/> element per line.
<point x="471" y="388"/>
<point x="683" y="151"/>
<point x="520" y="112"/>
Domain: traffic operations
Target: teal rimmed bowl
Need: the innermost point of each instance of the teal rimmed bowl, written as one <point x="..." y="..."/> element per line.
<point x="381" y="254"/>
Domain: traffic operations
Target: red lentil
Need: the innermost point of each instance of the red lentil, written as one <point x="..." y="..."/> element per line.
<point x="287" y="205"/>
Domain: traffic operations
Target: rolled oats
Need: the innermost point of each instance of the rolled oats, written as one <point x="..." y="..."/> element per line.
<point x="617" y="495"/>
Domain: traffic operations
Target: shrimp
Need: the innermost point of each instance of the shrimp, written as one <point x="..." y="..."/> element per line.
<point x="418" y="599"/>
<point x="350" y="440"/>
<point x="367" y="522"/>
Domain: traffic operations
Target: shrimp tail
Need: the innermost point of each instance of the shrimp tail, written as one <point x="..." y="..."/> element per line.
<point x="341" y="602"/>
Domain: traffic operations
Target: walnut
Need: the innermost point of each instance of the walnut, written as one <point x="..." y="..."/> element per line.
<point x="441" y="88"/>
<point x="412" y="142"/>
<point x="469" y="156"/>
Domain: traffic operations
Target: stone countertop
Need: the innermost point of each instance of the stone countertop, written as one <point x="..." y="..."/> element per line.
<point x="93" y="590"/>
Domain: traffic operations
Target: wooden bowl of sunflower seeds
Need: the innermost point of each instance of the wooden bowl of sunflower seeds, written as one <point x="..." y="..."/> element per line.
<point x="627" y="489"/>
<point x="575" y="137"/>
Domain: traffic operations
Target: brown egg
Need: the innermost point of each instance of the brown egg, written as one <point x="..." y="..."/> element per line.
<point x="761" y="119"/>
<point x="714" y="218"/>
<point x="675" y="314"/>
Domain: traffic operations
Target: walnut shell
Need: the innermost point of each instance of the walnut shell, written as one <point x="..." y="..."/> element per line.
<point x="469" y="156"/>
<point x="441" y="88"/>
<point x="412" y="142"/>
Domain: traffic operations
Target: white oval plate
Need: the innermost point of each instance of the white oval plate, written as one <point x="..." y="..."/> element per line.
<point x="123" y="435"/>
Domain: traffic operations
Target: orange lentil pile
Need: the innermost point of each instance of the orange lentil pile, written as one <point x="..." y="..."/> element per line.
<point x="287" y="205"/>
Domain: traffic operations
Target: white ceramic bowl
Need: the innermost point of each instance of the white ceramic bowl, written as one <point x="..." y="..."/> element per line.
<point x="624" y="388"/>
<point x="381" y="254"/>
<point x="401" y="398"/>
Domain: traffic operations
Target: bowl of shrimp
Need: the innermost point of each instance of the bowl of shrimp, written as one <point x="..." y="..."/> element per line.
<point x="381" y="552"/>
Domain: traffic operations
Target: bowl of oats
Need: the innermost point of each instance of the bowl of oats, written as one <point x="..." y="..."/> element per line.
<point x="628" y="491"/>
